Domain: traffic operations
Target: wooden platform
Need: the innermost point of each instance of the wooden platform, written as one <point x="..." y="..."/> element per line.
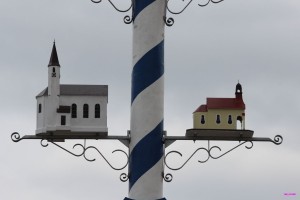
<point x="60" y="136"/>
<point x="219" y="133"/>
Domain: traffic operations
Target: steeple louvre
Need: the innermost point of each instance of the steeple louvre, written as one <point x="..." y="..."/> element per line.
<point x="54" y="58"/>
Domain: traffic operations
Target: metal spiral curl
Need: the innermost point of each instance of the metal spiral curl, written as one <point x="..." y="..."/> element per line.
<point x="128" y="19"/>
<point x="169" y="21"/>
<point x="168" y="177"/>
<point x="118" y="150"/>
<point x="15" y="137"/>
<point x="44" y="143"/>
<point x="278" y="140"/>
<point x="124" y="177"/>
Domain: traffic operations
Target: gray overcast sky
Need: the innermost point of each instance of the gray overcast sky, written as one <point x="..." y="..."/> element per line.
<point x="206" y="52"/>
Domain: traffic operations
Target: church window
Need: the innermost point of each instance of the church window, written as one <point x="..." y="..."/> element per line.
<point x="218" y="120"/>
<point x="85" y="111"/>
<point x="53" y="72"/>
<point x="40" y="108"/>
<point x="229" y="119"/>
<point x="202" y="119"/>
<point x="240" y="122"/>
<point x="97" y="111"/>
<point x="74" y="110"/>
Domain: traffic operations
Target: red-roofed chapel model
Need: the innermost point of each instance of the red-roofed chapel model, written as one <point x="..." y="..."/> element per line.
<point x="222" y="113"/>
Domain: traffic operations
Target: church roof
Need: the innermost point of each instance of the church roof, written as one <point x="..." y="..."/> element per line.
<point x="54" y="58"/>
<point x="225" y="103"/>
<point x="222" y="103"/>
<point x="79" y="90"/>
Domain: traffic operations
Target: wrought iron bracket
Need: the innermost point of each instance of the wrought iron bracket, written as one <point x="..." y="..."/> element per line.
<point x="242" y="136"/>
<point x="127" y="19"/>
<point x="55" y="138"/>
<point x="169" y="21"/>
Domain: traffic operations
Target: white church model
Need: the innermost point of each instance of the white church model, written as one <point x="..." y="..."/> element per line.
<point x="70" y="109"/>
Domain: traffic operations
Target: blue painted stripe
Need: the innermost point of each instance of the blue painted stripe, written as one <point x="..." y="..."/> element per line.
<point x="146" y="154"/>
<point x="147" y="70"/>
<point x="139" y="5"/>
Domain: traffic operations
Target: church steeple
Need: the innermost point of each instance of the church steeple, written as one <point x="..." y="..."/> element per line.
<point x="53" y="73"/>
<point x="54" y="58"/>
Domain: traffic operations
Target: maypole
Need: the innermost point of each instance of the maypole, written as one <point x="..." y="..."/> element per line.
<point x="146" y="140"/>
<point x="147" y="101"/>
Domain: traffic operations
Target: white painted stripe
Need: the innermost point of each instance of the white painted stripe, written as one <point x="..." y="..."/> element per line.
<point x="154" y="29"/>
<point x="147" y="111"/>
<point x="149" y="189"/>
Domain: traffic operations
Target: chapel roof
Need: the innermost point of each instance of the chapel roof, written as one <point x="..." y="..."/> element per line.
<point x="79" y="90"/>
<point x="54" y="58"/>
<point x="222" y="103"/>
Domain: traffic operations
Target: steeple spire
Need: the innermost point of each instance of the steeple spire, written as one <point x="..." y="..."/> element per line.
<point x="54" y="58"/>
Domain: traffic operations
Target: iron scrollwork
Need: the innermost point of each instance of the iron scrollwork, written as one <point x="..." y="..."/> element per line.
<point x="127" y="19"/>
<point x="189" y="2"/>
<point x="44" y="143"/>
<point x="15" y="137"/>
<point x="209" y="154"/>
<point x="278" y="140"/>
<point x="170" y="21"/>
<point x="168" y="177"/>
<point x="124" y="177"/>
<point x="97" y="150"/>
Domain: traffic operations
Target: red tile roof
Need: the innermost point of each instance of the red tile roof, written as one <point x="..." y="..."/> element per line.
<point x="222" y="103"/>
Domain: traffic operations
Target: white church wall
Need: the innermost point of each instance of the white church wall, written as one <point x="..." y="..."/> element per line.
<point x="90" y="124"/>
<point x="40" y="112"/>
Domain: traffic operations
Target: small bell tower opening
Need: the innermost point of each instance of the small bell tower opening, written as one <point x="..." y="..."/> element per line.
<point x="238" y="91"/>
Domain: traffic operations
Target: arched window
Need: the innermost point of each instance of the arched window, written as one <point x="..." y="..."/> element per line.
<point x="53" y="72"/>
<point x="97" y="111"/>
<point x="202" y="119"/>
<point x="218" y="120"/>
<point x="229" y="119"/>
<point x="240" y="120"/>
<point x="40" y="108"/>
<point x="74" y="111"/>
<point x="85" y="111"/>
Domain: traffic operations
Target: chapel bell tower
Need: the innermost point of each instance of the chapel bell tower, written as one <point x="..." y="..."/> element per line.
<point x="54" y="74"/>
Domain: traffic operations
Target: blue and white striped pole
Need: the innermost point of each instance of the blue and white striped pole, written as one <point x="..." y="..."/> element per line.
<point x="147" y="101"/>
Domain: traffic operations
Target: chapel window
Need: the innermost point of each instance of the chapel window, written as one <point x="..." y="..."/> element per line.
<point x="202" y="119"/>
<point x="229" y="119"/>
<point x="74" y="111"/>
<point x="218" y="119"/>
<point x="85" y="111"/>
<point x="97" y="111"/>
